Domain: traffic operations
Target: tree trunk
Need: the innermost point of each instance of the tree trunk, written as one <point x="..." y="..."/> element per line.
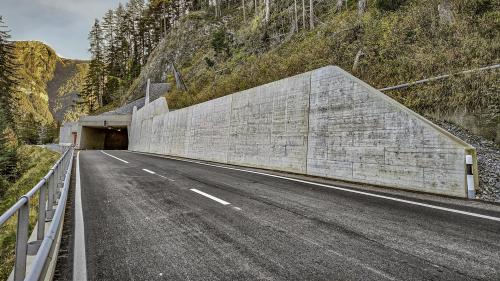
<point x="268" y="12"/>
<point x="304" y="14"/>
<point x="164" y="20"/>
<point x="361" y="7"/>
<point x="339" y="4"/>
<point x="311" y="14"/>
<point x="296" y="20"/>
<point x="445" y="10"/>
<point x="244" y="12"/>
<point x="355" y="65"/>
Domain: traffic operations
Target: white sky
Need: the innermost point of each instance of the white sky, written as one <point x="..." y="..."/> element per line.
<point x="62" y="24"/>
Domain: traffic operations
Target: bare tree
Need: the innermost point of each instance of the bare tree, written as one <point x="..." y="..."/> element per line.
<point x="296" y="20"/>
<point x="164" y="15"/>
<point x="339" y="4"/>
<point x="244" y="12"/>
<point x="355" y="65"/>
<point x="267" y="10"/>
<point x="304" y="14"/>
<point x="216" y="4"/>
<point x="311" y="14"/>
<point x="445" y="10"/>
<point x="361" y="7"/>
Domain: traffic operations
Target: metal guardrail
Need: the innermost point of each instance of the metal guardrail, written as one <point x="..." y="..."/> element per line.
<point x="53" y="191"/>
<point x="440" y="77"/>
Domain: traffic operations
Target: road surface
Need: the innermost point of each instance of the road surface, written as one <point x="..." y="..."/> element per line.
<point x="151" y="218"/>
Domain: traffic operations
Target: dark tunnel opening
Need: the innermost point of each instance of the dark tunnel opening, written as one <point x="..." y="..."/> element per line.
<point x="116" y="139"/>
<point x="109" y="138"/>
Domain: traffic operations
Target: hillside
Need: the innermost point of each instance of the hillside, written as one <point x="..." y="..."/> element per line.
<point x="68" y="81"/>
<point x="47" y="85"/>
<point x="393" y="42"/>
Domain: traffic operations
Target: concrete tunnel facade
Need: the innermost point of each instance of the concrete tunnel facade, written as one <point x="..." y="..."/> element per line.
<point x="103" y="132"/>
<point x="110" y="130"/>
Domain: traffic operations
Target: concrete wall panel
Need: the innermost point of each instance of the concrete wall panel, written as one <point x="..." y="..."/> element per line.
<point x="324" y="123"/>
<point x="385" y="143"/>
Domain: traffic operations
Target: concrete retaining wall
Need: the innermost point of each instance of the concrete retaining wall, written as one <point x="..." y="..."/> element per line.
<point x="323" y="123"/>
<point x="66" y="132"/>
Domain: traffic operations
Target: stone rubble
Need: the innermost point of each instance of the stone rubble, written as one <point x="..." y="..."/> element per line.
<point x="488" y="157"/>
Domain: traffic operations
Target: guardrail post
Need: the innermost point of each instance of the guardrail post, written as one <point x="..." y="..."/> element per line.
<point x="42" y="214"/>
<point x="50" y="199"/>
<point x="57" y="191"/>
<point x="42" y="207"/>
<point x="23" y="216"/>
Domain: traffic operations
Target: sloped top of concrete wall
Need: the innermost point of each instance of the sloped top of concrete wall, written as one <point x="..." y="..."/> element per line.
<point x="401" y="107"/>
<point x="156" y="91"/>
<point x="156" y="107"/>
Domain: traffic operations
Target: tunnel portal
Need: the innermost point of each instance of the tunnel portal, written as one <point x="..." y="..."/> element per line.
<point x="104" y="138"/>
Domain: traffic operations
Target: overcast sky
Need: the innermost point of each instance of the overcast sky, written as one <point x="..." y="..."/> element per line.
<point x="62" y="24"/>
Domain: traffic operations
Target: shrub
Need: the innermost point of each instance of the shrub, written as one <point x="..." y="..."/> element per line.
<point x="220" y="42"/>
<point x="389" y="5"/>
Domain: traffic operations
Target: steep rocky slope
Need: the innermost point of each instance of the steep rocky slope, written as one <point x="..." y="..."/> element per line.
<point x="63" y="89"/>
<point x="47" y="83"/>
<point x="388" y="45"/>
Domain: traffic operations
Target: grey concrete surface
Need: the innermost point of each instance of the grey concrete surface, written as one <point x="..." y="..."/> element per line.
<point x="92" y="129"/>
<point x="323" y="123"/>
<point x="66" y="132"/>
<point x="144" y="226"/>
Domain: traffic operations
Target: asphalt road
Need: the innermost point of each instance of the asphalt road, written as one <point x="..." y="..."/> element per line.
<point x="163" y="219"/>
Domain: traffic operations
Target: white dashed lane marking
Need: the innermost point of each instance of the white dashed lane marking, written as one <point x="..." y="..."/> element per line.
<point x="154" y="173"/>
<point x="114" y="157"/>
<point x="210" y="196"/>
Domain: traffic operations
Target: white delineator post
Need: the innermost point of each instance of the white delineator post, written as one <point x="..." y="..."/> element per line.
<point x="470" y="177"/>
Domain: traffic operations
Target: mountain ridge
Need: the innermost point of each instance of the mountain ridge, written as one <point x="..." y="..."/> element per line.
<point x="48" y="84"/>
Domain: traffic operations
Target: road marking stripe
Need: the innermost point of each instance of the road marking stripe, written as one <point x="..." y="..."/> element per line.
<point x="149" y="171"/>
<point x="210" y="196"/>
<point x="114" y="157"/>
<point x="346" y="190"/>
<point x="79" y="259"/>
<point x="165" y="177"/>
<point x="154" y="173"/>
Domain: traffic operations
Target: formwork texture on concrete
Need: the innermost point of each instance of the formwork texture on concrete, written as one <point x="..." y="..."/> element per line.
<point x="323" y="123"/>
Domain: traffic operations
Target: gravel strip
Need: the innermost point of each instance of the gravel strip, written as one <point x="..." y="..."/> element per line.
<point x="488" y="158"/>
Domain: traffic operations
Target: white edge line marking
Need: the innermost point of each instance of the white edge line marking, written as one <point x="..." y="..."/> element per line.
<point x="114" y="157"/>
<point x="210" y="196"/>
<point x="149" y="171"/>
<point x="343" y="189"/>
<point x="79" y="259"/>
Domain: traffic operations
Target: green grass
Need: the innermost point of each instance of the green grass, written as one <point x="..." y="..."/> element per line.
<point x="34" y="162"/>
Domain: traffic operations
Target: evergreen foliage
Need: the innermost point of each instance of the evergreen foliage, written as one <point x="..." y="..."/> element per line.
<point x="8" y="141"/>
<point x="121" y="43"/>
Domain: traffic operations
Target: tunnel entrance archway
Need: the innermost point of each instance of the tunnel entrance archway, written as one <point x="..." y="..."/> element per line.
<point x="116" y="139"/>
<point x="108" y="138"/>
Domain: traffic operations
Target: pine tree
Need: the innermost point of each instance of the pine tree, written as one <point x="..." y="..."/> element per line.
<point x="7" y="74"/>
<point x="109" y="31"/>
<point x="95" y="80"/>
<point x="8" y="140"/>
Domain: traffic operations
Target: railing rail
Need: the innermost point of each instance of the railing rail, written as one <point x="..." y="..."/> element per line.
<point x="440" y="77"/>
<point x="53" y="191"/>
